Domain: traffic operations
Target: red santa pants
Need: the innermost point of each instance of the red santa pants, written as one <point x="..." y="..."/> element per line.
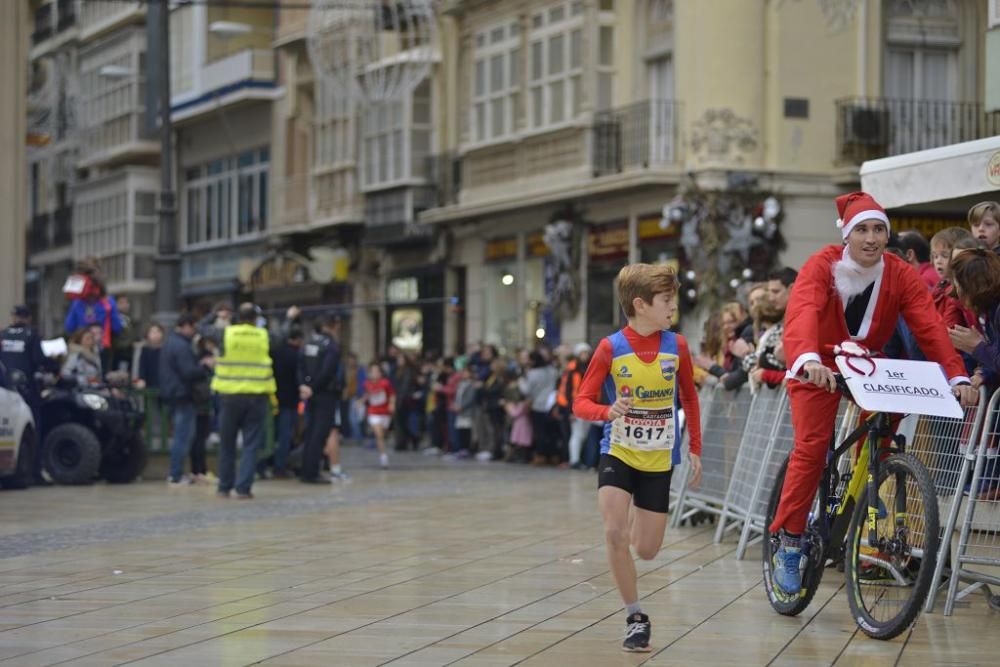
<point x="814" y="413"/>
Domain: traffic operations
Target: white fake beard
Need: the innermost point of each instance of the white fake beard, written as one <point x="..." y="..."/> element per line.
<point x="851" y="278"/>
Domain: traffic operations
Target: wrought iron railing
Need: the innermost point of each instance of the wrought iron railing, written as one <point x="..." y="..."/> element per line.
<point x="640" y="135"/>
<point x="874" y="127"/>
<point x="67" y="14"/>
<point x="38" y="234"/>
<point x="62" y="227"/>
<point x="43" y="24"/>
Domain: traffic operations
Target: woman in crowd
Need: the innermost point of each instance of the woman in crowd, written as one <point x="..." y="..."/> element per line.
<point x="83" y="363"/>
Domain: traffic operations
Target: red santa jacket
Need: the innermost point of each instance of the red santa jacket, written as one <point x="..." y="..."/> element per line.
<point x="815" y="320"/>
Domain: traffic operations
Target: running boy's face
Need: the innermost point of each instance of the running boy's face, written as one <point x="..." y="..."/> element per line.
<point x="659" y="314"/>
<point x="941" y="259"/>
<point x="987" y="230"/>
<point x="375" y="372"/>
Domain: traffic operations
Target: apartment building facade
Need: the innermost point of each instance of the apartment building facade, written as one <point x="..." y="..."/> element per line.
<point x="599" y="112"/>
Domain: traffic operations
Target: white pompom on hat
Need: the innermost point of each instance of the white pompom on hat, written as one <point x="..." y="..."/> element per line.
<point x="857" y="207"/>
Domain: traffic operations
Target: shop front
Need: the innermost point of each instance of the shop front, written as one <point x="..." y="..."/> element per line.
<point x="415" y="311"/>
<point x="514" y="291"/>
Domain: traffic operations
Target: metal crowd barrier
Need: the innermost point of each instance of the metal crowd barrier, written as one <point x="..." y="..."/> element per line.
<point x="759" y="433"/>
<point x="979" y="540"/>
<point x="724" y="415"/>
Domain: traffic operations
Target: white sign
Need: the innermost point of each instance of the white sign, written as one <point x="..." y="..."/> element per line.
<point x="898" y="385"/>
<point x="54" y="348"/>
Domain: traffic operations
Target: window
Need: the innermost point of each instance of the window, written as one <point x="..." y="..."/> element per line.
<point x="397" y="139"/>
<point x="112" y="83"/>
<point x="334" y="127"/>
<point x="557" y="46"/>
<point x="496" y="75"/>
<point x="994" y="20"/>
<point x="227" y="199"/>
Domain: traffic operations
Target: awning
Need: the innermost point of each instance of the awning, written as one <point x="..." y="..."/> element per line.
<point x="949" y="172"/>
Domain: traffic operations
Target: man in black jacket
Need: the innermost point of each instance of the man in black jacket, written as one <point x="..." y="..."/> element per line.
<point x="322" y="385"/>
<point x="179" y="371"/>
<point x="285" y="361"/>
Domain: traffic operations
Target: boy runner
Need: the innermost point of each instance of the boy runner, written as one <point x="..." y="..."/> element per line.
<point x="640" y="370"/>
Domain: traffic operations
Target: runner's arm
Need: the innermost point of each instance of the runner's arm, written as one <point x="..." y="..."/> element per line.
<point x="689" y="397"/>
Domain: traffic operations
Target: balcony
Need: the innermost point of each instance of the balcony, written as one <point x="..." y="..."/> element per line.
<point x="43" y="24"/>
<point x="244" y="76"/>
<point x="638" y="136"/>
<point x="870" y="128"/>
<point x="445" y="173"/>
<point x="99" y="18"/>
<point x="62" y="232"/>
<point x="112" y="107"/>
<point x="38" y="234"/>
<point x="66" y="15"/>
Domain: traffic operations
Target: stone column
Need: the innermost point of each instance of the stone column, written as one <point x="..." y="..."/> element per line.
<point x="14" y="28"/>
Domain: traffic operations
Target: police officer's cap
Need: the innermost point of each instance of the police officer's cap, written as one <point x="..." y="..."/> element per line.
<point x="333" y="318"/>
<point x="21" y="310"/>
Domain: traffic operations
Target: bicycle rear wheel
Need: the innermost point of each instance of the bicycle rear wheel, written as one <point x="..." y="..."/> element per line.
<point x="812" y="562"/>
<point x="888" y="582"/>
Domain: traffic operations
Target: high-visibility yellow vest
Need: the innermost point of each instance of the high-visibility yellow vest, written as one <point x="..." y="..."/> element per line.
<point x="245" y="364"/>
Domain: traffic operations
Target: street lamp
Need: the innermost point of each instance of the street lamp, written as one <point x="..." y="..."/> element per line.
<point x="229" y="28"/>
<point x="167" y="259"/>
<point x="115" y="72"/>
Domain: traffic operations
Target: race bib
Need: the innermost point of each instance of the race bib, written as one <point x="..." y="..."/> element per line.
<point x="378" y="398"/>
<point x="645" y="430"/>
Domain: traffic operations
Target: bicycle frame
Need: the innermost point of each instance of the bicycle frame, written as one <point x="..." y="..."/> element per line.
<point x="835" y="513"/>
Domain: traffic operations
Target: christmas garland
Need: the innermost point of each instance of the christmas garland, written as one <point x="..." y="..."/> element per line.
<point x="729" y="237"/>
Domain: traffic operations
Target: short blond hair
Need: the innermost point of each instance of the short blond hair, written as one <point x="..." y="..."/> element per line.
<point x="983" y="209"/>
<point x="644" y="281"/>
<point x="950" y="236"/>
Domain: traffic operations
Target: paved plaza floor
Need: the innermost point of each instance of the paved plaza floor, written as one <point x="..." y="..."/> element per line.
<point x="428" y="563"/>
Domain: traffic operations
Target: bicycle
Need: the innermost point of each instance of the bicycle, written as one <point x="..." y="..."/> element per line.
<point x="883" y="526"/>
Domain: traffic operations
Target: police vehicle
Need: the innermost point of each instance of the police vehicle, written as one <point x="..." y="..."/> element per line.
<point x="17" y="436"/>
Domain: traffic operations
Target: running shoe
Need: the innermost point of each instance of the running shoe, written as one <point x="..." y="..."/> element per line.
<point x="637" y="632"/>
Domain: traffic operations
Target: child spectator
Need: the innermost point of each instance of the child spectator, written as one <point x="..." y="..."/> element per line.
<point x="984" y="223"/>
<point x="381" y="399"/>
<point x="465" y="408"/>
<point x="950" y="308"/>
<point x="518" y="408"/>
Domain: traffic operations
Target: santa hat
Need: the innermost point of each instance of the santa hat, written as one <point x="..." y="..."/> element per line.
<point x="857" y="207"/>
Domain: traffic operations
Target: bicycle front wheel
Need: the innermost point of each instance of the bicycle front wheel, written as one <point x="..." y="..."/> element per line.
<point x="888" y="580"/>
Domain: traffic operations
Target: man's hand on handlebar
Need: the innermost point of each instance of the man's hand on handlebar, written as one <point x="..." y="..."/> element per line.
<point x="819" y="375"/>
<point x="966" y="394"/>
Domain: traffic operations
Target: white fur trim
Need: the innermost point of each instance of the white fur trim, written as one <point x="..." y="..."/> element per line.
<point x="793" y="372"/>
<point x="850" y="278"/>
<point x="958" y="379"/>
<point x="872" y="214"/>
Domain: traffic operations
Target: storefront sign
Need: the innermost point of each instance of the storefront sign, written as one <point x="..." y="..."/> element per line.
<point x="536" y="245"/>
<point x="501" y="249"/>
<point x="609" y="241"/>
<point x="651" y="228"/>
<point x="898" y="385"/>
<point x="402" y="290"/>
<point x="927" y="226"/>
<point x="279" y="271"/>
<point x="993" y="170"/>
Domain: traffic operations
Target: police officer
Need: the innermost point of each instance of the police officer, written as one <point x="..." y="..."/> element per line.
<point x="244" y="379"/>
<point x="21" y="350"/>
<point x="322" y="386"/>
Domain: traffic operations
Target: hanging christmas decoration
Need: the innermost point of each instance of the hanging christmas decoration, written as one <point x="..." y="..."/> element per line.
<point x="728" y="237"/>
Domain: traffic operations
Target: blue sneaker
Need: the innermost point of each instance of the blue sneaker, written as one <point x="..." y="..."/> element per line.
<point x="787" y="577"/>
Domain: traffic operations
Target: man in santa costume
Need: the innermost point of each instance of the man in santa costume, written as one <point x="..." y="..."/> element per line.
<point x="852" y="292"/>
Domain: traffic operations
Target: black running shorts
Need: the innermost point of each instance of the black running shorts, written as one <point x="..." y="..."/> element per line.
<point x="650" y="490"/>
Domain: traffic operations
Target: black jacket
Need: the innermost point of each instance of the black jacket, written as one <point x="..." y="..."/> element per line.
<point x="285" y="361"/>
<point x="21" y="349"/>
<point x="179" y="369"/>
